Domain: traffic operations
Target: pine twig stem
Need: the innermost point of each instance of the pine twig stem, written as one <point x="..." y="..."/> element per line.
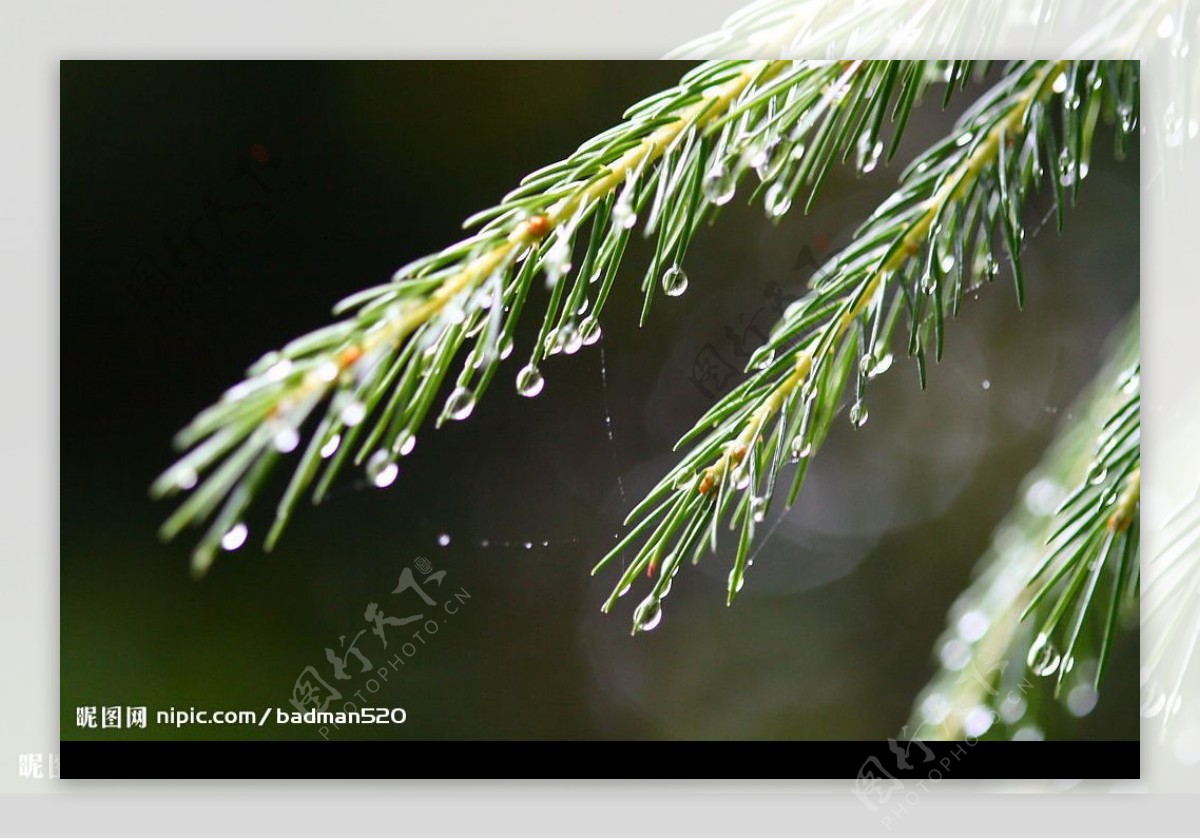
<point x="954" y="185"/>
<point x="533" y="230"/>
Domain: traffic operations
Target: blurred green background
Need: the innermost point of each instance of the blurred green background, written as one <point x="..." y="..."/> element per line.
<point x="212" y="211"/>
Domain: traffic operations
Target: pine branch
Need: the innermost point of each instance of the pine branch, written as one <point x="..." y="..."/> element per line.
<point x="1058" y="582"/>
<point x="910" y="257"/>
<point x="1097" y="535"/>
<point x="362" y="387"/>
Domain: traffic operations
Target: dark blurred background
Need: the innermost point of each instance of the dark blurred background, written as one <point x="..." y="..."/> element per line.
<point x="212" y="211"/>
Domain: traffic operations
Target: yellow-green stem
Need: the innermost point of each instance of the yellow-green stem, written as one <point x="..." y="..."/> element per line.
<point x="1127" y="504"/>
<point x="952" y="187"/>
<point x="530" y="231"/>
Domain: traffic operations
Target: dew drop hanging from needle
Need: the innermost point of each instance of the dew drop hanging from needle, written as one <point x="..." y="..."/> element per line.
<point x="858" y="414"/>
<point x="381" y="469"/>
<point x="569" y="338"/>
<point x="460" y="404"/>
<point x="777" y="200"/>
<point x="589" y="330"/>
<point x="674" y="281"/>
<point x="405" y="443"/>
<point x="331" y="446"/>
<point x="719" y="185"/>
<point x="530" y="381"/>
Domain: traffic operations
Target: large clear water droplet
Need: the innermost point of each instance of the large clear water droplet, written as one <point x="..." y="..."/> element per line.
<point x="553" y="343"/>
<point x="648" y="615"/>
<point x="858" y="414"/>
<point x="506" y="347"/>
<point x="570" y="338"/>
<point x="674" y="281"/>
<point x="460" y="403"/>
<point x="868" y="154"/>
<point x="589" y="330"/>
<point x="758" y="153"/>
<point x="405" y="443"/>
<point x="1043" y="658"/>
<point x="801" y="447"/>
<point x="719" y="185"/>
<point x="736" y="581"/>
<point x="880" y="365"/>
<point x="1066" y="168"/>
<point x="381" y="469"/>
<point x="772" y="161"/>
<point x="777" y="200"/>
<point x="530" y="381"/>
